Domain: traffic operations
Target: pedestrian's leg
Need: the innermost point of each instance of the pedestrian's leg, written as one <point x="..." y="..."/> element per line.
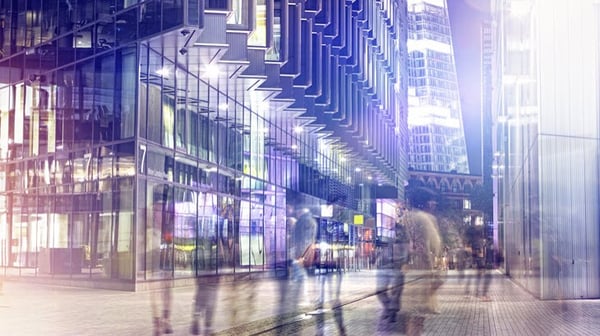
<point x="396" y="295"/>
<point x="154" y="298"/>
<point x="468" y="284"/>
<point x="435" y="282"/>
<point x="486" y="285"/>
<point x="383" y="281"/>
<point x="167" y="295"/>
<point x="211" y="305"/>
<point x="195" y="327"/>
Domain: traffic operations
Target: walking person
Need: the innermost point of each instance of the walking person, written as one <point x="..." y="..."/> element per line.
<point x="391" y="274"/>
<point x="159" y="236"/>
<point x="205" y="299"/>
<point x="302" y="234"/>
<point x="484" y="277"/>
<point x="428" y="249"/>
<point x="161" y="298"/>
<point x="330" y="287"/>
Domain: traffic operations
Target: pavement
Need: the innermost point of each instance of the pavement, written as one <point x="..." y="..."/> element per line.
<point x="281" y="307"/>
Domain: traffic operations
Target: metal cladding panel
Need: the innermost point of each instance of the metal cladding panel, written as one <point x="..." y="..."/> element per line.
<point x="569" y="218"/>
<point x="215" y="29"/>
<point x="238" y="46"/>
<point x="257" y="65"/>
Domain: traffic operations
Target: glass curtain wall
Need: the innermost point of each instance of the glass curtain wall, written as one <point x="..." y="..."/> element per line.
<point x="112" y="141"/>
<point x="66" y="138"/>
<point x="215" y="172"/>
<point x="203" y="158"/>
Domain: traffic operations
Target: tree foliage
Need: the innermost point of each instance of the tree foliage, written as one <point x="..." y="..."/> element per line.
<point x="482" y="198"/>
<point x="453" y="229"/>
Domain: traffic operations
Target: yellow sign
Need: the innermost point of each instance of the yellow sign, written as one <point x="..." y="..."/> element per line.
<point x="359" y="219"/>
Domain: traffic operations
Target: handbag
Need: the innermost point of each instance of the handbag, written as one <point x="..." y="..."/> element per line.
<point x="308" y="257"/>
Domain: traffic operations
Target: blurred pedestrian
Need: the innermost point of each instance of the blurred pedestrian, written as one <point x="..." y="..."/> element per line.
<point x="461" y="256"/>
<point x="160" y="299"/>
<point x="302" y="234"/>
<point x="303" y="245"/>
<point x="429" y="242"/>
<point x="330" y="287"/>
<point x="205" y="299"/>
<point x="159" y="238"/>
<point x="391" y="275"/>
<point x="484" y="277"/>
<point x="240" y="298"/>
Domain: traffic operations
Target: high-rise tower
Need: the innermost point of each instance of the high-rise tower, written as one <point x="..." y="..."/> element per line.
<point x="437" y="141"/>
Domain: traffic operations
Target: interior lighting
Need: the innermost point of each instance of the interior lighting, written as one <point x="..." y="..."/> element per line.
<point x="212" y="70"/>
<point x="298" y="129"/>
<point x="163" y="72"/>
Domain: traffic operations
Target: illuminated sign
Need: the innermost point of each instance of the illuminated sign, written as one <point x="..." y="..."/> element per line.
<point x="359" y="219"/>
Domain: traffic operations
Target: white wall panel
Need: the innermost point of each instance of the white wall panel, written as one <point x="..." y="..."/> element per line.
<point x="565" y="52"/>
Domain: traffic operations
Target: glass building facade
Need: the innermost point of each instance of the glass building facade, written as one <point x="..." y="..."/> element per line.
<point x="144" y="137"/>
<point x="437" y="141"/>
<point x="547" y="144"/>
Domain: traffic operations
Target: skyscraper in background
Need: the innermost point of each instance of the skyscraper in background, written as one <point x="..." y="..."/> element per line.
<point x="437" y="141"/>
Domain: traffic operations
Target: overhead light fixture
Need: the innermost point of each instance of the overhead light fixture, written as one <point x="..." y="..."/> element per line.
<point x="163" y="72"/>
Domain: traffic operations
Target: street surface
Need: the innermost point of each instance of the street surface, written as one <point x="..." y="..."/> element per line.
<point x="255" y="308"/>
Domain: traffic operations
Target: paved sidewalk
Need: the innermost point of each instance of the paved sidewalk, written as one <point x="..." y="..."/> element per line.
<point x="254" y="308"/>
<point x="508" y="310"/>
<point x="34" y="309"/>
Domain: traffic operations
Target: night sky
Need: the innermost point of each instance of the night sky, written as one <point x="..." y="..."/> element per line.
<point x="466" y="17"/>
